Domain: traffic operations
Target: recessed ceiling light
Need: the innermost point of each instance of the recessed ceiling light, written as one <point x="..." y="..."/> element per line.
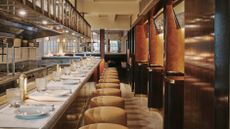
<point x="67" y="31"/>
<point x="22" y="12"/>
<point x="47" y="38"/>
<point x="44" y="22"/>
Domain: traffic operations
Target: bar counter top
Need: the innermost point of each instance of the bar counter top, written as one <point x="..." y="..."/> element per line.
<point x="8" y="117"/>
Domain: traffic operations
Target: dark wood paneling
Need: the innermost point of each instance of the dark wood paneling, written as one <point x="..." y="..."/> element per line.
<point x="199" y="64"/>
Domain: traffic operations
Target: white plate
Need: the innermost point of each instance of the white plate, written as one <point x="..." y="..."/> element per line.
<point x="71" y="82"/>
<point x="69" y="78"/>
<point x="32" y="112"/>
<point x="57" y="93"/>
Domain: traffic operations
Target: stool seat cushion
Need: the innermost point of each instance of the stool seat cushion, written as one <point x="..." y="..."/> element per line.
<point x="110" y="73"/>
<point x="109" y="77"/>
<point x="107" y="92"/>
<point x="107" y="101"/>
<point x="105" y="114"/>
<point x="109" y="81"/>
<point x="103" y="126"/>
<point x="107" y="85"/>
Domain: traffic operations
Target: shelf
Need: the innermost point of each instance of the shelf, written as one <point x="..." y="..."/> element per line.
<point x="21" y="47"/>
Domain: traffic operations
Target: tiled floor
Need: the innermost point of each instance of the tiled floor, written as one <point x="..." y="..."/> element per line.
<point x="139" y="116"/>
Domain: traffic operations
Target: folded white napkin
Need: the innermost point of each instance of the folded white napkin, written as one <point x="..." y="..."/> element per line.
<point x="46" y="97"/>
<point x="67" y="77"/>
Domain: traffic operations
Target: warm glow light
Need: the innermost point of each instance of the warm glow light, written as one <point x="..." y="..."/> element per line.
<point x="73" y="33"/>
<point x="44" y="22"/>
<point x="197" y="58"/>
<point x="58" y="40"/>
<point x="94" y="33"/>
<point x="47" y="38"/>
<point x="22" y="12"/>
<point x="74" y="40"/>
<point x="192" y="26"/>
<point x="67" y="31"/>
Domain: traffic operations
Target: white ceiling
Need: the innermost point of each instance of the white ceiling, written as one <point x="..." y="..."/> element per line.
<point x="109" y="14"/>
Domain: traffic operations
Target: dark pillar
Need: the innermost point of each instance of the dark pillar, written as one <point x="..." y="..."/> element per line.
<point x="108" y="45"/>
<point x="222" y="57"/>
<point x="174" y="102"/>
<point x="102" y="43"/>
<point x="155" y="87"/>
<point x="141" y="79"/>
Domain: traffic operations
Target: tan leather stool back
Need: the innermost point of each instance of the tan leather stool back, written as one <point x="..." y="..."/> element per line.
<point x="107" y="92"/>
<point x="107" y="101"/>
<point x="105" y="114"/>
<point x="109" y="77"/>
<point x="109" y="81"/>
<point x="107" y="85"/>
<point x="103" y="126"/>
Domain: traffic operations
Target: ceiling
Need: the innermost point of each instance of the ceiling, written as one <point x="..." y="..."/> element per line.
<point x="109" y="14"/>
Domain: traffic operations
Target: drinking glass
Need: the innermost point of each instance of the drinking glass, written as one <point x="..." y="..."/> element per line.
<point x="41" y="84"/>
<point x="13" y="96"/>
<point x="56" y="76"/>
<point x="67" y="70"/>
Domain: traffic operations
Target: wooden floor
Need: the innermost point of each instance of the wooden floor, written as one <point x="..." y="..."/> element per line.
<point x="139" y="116"/>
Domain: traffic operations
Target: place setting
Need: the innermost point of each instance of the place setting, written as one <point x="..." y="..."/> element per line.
<point x="16" y="108"/>
<point x="43" y="93"/>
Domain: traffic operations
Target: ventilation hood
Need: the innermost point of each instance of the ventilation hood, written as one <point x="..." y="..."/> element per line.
<point x="16" y="27"/>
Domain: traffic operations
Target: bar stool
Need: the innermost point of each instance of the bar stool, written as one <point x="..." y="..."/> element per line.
<point x="107" y="101"/>
<point x="105" y="114"/>
<point x="103" y="126"/>
<point x="110" y="72"/>
<point x="107" y="92"/>
<point x="109" y="81"/>
<point x="109" y="76"/>
<point x="107" y="85"/>
<point x="112" y="68"/>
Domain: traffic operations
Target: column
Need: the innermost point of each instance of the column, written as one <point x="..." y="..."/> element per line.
<point x="155" y="85"/>
<point x="141" y="59"/>
<point x="108" y="46"/>
<point x="222" y="65"/>
<point x="102" y="43"/>
<point x="174" y="43"/>
<point x="174" y="79"/>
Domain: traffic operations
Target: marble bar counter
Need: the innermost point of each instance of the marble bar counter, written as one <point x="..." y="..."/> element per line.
<point x="9" y="117"/>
